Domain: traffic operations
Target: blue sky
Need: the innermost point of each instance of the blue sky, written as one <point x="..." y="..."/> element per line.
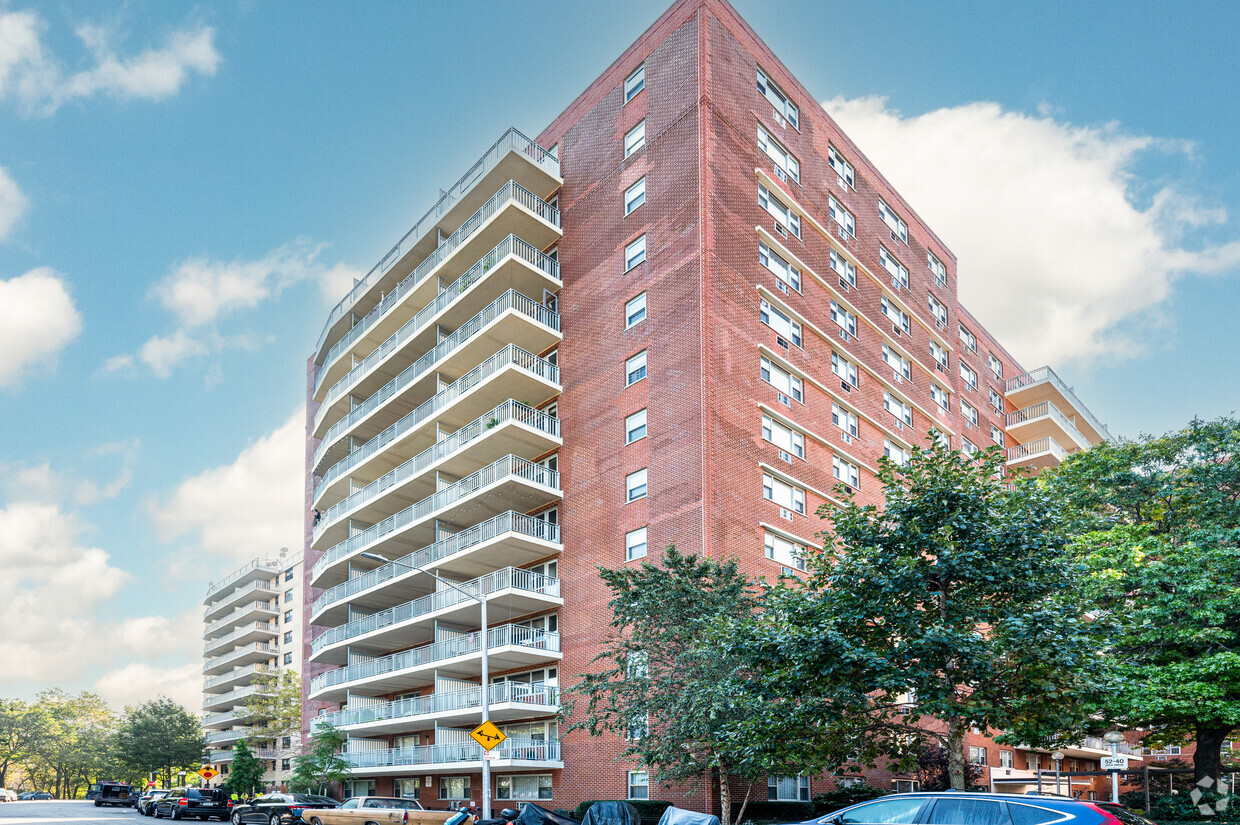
<point x="184" y="190"/>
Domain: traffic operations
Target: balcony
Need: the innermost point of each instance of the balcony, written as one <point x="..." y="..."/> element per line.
<point x="1036" y="455"/>
<point x="234" y="677"/>
<point x="254" y="571"/>
<point x="508" y="701"/>
<point x="227" y="700"/>
<point x="512" y="427"/>
<point x="250" y="654"/>
<point x="222" y="720"/>
<point x="510" y="319"/>
<point x="511" y="593"/>
<point x="1045" y="420"/>
<point x="250" y="611"/>
<point x="1042" y="384"/>
<point x="510" y="537"/>
<point x="509" y="647"/>
<point x="226" y="737"/>
<point x="218" y="757"/>
<point x="512" y="754"/>
<point x="250" y="590"/>
<point x="252" y="632"/>
<point x="512" y="157"/>
<point x="512" y="483"/>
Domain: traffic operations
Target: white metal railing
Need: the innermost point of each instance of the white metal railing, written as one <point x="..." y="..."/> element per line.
<point x="230" y="696"/>
<point x="239" y="673"/>
<point x="253" y="587"/>
<point x="216" y="718"/>
<point x="225" y="735"/>
<point x="257" y="647"/>
<point x="530" y="750"/>
<point x="508" y="635"/>
<point x="218" y="756"/>
<point x="1036" y="447"/>
<point x="1047" y="374"/>
<point x="542" y="695"/>
<point x="511" y="354"/>
<point x="215" y="587"/>
<point x="1047" y="410"/>
<point x="510" y="141"/>
<point x="232" y="617"/>
<point x="510" y="301"/>
<point x="1098" y="743"/>
<point x="509" y="465"/>
<point x="507" y="411"/>
<point x="243" y="630"/>
<point x="509" y="522"/>
<point x="506" y="578"/>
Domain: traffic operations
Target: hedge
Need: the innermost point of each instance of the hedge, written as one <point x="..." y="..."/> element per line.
<point x="650" y="809"/>
<point x="766" y="810"/>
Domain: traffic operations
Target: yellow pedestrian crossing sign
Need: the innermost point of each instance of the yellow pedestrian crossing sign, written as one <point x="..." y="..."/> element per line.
<point x="488" y="736"/>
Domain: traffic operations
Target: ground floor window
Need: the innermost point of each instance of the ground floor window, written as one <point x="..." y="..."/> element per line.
<point x="849" y="781"/>
<point x="407" y="788"/>
<point x="454" y="787"/>
<point x="639" y="785"/>
<point x="537" y="786"/>
<point x="359" y="787"/>
<point x="905" y="785"/>
<point x="788" y="788"/>
<point x="977" y="755"/>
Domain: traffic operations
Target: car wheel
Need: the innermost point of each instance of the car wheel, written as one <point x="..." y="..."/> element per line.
<point x="176" y="814"/>
<point x="236" y="818"/>
<point x="98" y="804"/>
<point x="275" y="819"/>
<point x="314" y="820"/>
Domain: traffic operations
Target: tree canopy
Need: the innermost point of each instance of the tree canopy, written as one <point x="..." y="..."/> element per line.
<point x="246" y="773"/>
<point x="322" y="763"/>
<point x="160" y="735"/>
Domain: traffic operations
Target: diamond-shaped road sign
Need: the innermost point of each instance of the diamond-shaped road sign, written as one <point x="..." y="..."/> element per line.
<point x="487" y="735"/>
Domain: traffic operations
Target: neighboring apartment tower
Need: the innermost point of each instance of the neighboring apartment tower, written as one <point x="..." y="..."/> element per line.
<point x="680" y="316"/>
<point x="253" y="625"/>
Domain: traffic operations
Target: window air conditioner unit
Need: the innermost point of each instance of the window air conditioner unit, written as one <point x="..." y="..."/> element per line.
<point x="785" y="513"/>
<point x="844" y="285"/>
<point x="781" y="342"/>
<point x="940" y="367"/>
<point x="781" y="174"/>
<point x="846" y="438"/>
<point x="783" y="455"/>
<point x="895" y="328"/>
<point x="899" y="424"/>
<point x="779" y="229"/>
<point x="783" y="399"/>
<point x="779" y="118"/>
<point x="899" y="378"/>
<point x="840" y="231"/>
<point x="845" y="386"/>
<point x="839" y="180"/>
<point x="781" y="286"/>
<point x="894" y="236"/>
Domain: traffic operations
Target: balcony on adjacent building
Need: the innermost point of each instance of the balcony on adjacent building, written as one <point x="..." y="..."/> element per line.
<point x="221" y="757"/>
<point x="247" y="612"/>
<point x="249" y="632"/>
<point x="225" y="720"/>
<point x="220" y="701"/>
<point x="512" y="754"/>
<point x="247" y="655"/>
<point x="509" y="701"/>
<point x="227" y="737"/>
<point x="1036" y="455"/>
<point x="250" y="591"/>
<point x="234" y="677"/>
<point x="1042" y="384"/>
<point x="259" y="569"/>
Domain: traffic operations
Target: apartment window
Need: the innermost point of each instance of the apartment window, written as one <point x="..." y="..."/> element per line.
<point x="635" y="369"/>
<point x="897" y="226"/>
<point x="905" y="786"/>
<point x="635" y="253"/>
<point x="969" y="339"/>
<point x="635" y="544"/>
<point x="977" y="755"/>
<point x="842" y="167"/>
<point x="788" y="788"/>
<point x="1007" y="759"/>
<point x="635" y="485"/>
<point x="781" y="323"/>
<point x="969" y="412"/>
<point x="786" y="164"/>
<point x="939" y="395"/>
<point x="785" y="438"/>
<point x="784" y="107"/>
<point x="783" y="493"/>
<point x="288" y="575"/>
<point x="635" y="311"/>
<point x="903" y="412"/>
<point x="897" y="270"/>
<point x="783" y="271"/>
<point x="996" y="366"/>
<point x="844" y="268"/>
<point x="783" y="215"/>
<point x="844" y="319"/>
<point x="902" y="367"/>
<point x="842" y="216"/>
<point x="846" y="472"/>
<point x="939" y="310"/>
<point x="843" y="368"/>
<point x="288" y="596"/>
<point x="844" y="419"/>
<point x="788" y="553"/>
<point x="996" y="401"/>
<point x="968" y="374"/>
<point x="968" y="446"/>
<point x="633" y="84"/>
<point x="939" y="355"/>
<point x="788" y="384"/>
<point x="936" y="267"/>
<point x="996" y="435"/>
<point x="896" y="315"/>
<point x="635" y="139"/>
<point x="288" y="658"/>
<point x="288" y="616"/>
<point x="635" y="427"/>
<point x="523" y="786"/>
<point x="895" y="452"/>
<point x="288" y="638"/>
<point x="286" y="764"/>
<point x="634" y="196"/>
<point x="639" y="785"/>
<point x="454" y="787"/>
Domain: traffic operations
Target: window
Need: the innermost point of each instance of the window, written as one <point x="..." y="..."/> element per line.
<point x="788" y="553"/>
<point x="288" y="575"/>
<point x="287" y="742"/>
<point x="1007" y="759"/>
<point x="902" y="367"/>
<point x="996" y="401"/>
<point x="895" y="452"/>
<point x="897" y="270"/>
<point x="897" y="226"/>
<point x="844" y="419"/>
<point x="633" y="84"/>
<point x="788" y="788"/>
<point x="785" y="438"/>
<point x="783" y="493"/>
<point x="977" y="756"/>
<point x="635" y="544"/>
<point x="846" y="472"/>
<point x="845" y="369"/>
<point x="1031" y="762"/>
<point x="968" y="374"/>
<point x="939" y="355"/>
<point x="635" y="139"/>
<point x="786" y="164"/>
<point x="898" y="811"/>
<point x="523" y="786"/>
<point x="896" y="315"/>
<point x="639" y="785"/>
<point x="635" y="369"/>
<point x="996" y="366"/>
<point x="970" y="340"/>
<point x="634" y="196"/>
<point x="842" y="167"/>
<point x="288" y="596"/>
<point x="939" y="396"/>
<point x="787" y="383"/>
<point x="841" y="216"/>
<point x="968" y="446"/>
<point x="783" y="271"/>
<point x="288" y="640"/>
<point x="407" y="788"/>
<point x="844" y="319"/>
<point x="635" y="311"/>
<point x="288" y="658"/>
<point x="288" y="616"/>
<point x="905" y="786"/>
<point x="937" y="268"/>
<point x="996" y="435"/>
<point x="969" y="412"/>
<point x="784" y="107"/>
<point x="844" y="268"/>
<point x="635" y="253"/>
<point x="286" y="764"/>
<point x="783" y="215"/>
<point x="454" y="787"/>
<point x="903" y="412"/>
<point x="939" y="310"/>
<point x="635" y="485"/>
<point x="782" y="324"/>
<point x="635" y="427"/>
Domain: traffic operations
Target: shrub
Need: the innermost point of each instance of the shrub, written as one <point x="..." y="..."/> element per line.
<point x="766" y="810"/>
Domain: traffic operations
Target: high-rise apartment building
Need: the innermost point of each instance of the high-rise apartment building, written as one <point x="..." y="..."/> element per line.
<point x="681" y="315"/>
<point x="253" y="625"/>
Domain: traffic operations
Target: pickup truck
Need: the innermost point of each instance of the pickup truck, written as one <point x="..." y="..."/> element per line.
<point x="382" y="810"/>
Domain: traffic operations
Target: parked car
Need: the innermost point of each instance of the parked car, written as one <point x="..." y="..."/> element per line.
<point x="383" y="810"/>
<point x="957" y="808"/>
<point x="41" y="795"/>
<point x="280" y="808"/>
<point x="146" y="803"/>
<point x="7" y="796"/>
<point x="111" y="793"/>
<point x="194" y="803"/>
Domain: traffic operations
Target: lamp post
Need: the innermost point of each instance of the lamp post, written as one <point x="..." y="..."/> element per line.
<point x="481" y="599"/>
<point x="1058" y="757"/>
<point x="1114" y="737"/>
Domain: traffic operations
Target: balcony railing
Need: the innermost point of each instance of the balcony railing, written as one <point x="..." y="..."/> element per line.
<point x="509" y="301"/>
<point x="512" y="140"/>
<point x="216" y="718"/>
<point x="216" y="587"/>
<point x="1042" y="445"/>
<point x="224" y="735"/>
<point x="507" y="411"/>
<point x="508" y="635"/>
<point x="539" y="694"/>
<point x="217" y="756"/>
<point x="509" y="465"/>
<point x="244" y="630"/>
<point x="257" y="647"/>
<point x="1047" y="374"/>
<point x="507" y="578"/>
<point x="1047" y="410"/>
<point x="510" y="522"/>
<point x="232" y="617"/>
<point x="253" y="587"/>
<point x="240" y="673"/>
<point x="509" y="355"/>
<point x="529" y="750"/>
<point x="231" y="696"/>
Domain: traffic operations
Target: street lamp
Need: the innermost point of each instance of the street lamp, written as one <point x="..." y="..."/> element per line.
<point x="1114" y="737"/>
<point x="1058" y="757"/>
<point x="481" y="599"/>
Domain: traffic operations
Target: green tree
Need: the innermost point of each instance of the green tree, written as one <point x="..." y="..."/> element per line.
<point x="275" y="709"/>
<point x="246" y="773"/>
<point x="321" y="764"/>
<point x="22" y="728"/>
<point x="75" y="750"/>
<point x="1159" y="523"/>
<point x="160" y="735"/>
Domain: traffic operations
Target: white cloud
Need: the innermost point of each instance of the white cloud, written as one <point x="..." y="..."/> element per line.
<point x="1054" y="254"/>
<point x="12" y="202"/>
<point x="163" y="353"/>
<point x="38" y="81"/>
<point x="253" y="506"/>
<point x="37" y="320"/>
<point x="137" y="682"/>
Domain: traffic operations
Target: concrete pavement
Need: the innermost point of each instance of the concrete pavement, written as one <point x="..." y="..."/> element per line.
<point x="77" y="812"/>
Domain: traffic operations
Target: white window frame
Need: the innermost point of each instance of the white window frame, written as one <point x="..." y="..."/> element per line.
<point x="638" y="785"/>
<point x="969" y="339"/>
<point x="781" y="269"/>
<point x="844" y="369"/>
<point x="939" y="354"/>
<point x="896" y="315"/>
<point x="900" y="365"/>
<point x="845" y="471"/>
<point x="636" y="486"/>
<point x="844" y="319"/>
<point x="977" y="755"/>
<point x="508" y="779"/>
<point x="635" y="427"/>
<point x="968" y="375"/>
<point x="785" y="551"/>
<point x="783" y="436"/>
<point x="1007" y="758"/>
<point x="996" y="366"/>
<point x="783" y="105"/>
<point x="634" y="365"/>
<point x="786" y="495"/>
<point x="996" y="435"/>
<point x="939" y="310"/>
<point x="634" y="83"/>
<point x="968" y="412"/>
<point x="778" y="321"/>
<point x="843" y="169"/>
<point x="634" y="196"/>
<point x="445" y="787"/>
<point x="780" y="211"/>
<point x="937" y="268"/>
<point x="902" y="412"/>
<point x="635" y="253"/>
<point x="996" y="401"/>
<point x="894" y="222"/>
<point x="844" y="268"/>
<point x="636" y="544"/>
<point x="968" y="446"/>
<point x="782" y="380"/>
<point x="635" y="139"/>
<point x="635" y="311"/>
<point x="897" y="270"/>
<point x="846" y="420"/>
<point x="905" y="786"/>
<point x="841" y="216"/>
<point x="774" y="784"/>
<point x="785" y="162"/>
<point x="897" y="454"/>
<point x="940" y="397"/>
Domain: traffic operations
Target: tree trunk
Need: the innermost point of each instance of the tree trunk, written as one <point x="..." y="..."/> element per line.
<point x="740" y="815"/>
<point x="1207" y="761"/>
<point x="725" y="798"/>
<point x="955" y="753"/>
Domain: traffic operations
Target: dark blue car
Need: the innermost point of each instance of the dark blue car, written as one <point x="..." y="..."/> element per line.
<point x="959" y="808"/>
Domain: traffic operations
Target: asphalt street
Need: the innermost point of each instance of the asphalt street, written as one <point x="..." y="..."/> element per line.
<point x="79" y="812"/>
